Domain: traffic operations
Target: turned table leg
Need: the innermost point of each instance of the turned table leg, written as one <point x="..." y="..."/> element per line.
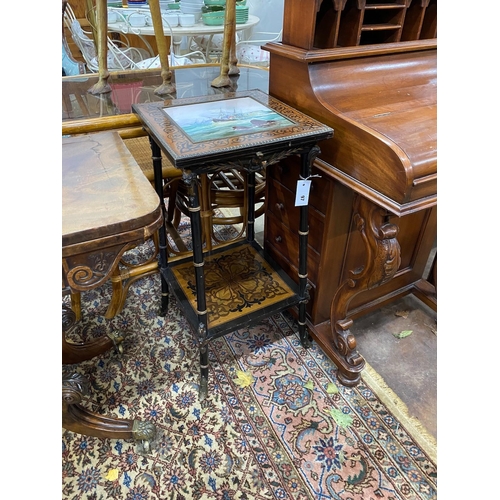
<point x="233" y="60"/>
<point x="167" y="87"/>
<point x="383" y="258"/>
<point x="228" y="60"/>
<point x="76" y="305"/>
<point x="118" y="295"/>
<point x="122" y="278"/>
<point x="102" y="86"/>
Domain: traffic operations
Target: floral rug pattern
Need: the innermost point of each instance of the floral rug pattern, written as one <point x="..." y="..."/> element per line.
<point x="289" y="431"/>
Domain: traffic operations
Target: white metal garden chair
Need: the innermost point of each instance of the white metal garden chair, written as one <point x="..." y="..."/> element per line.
<point x="120" y="54"/>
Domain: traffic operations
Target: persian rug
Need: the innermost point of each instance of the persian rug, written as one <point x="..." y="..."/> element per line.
<point x="276" y="423"/>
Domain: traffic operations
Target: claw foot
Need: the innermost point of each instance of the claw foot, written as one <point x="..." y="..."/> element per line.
<point x="144" y="432"/>
<point x="117" y="340"/>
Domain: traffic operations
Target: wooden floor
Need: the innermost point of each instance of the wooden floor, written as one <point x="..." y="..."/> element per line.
<point x="407" y="365"/>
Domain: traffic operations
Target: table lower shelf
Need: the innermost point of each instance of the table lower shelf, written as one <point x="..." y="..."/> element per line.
<point x="243" y="285"/>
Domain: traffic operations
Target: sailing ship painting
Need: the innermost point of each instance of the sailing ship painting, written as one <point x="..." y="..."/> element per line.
<point x="227" y="118"/>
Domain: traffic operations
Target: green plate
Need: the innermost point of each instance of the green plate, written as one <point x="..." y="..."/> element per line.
<point x="210" y="20"/>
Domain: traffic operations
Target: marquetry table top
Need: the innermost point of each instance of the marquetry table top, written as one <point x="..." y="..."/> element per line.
<point x="104" y="192"/>
<point x="232" y="130"/>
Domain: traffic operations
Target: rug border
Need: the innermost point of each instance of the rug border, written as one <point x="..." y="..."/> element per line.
<point x="399" y="409"/>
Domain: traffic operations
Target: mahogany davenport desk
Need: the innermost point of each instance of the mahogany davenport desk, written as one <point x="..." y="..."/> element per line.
<point x="108" y="207"/>
<point x="237" y="284"/>
<point x="369" y="72"/>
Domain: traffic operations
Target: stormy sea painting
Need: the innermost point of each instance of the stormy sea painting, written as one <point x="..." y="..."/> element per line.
<point x="227" y="118"/>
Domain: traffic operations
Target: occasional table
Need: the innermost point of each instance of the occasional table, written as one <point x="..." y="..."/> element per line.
<point x="108" y="207"/>
<point x="231" y="286"/>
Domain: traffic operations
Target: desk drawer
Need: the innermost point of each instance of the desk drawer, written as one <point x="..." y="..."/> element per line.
<point x="281" y="203"/>
<point x="286" y="243"/>
<point x="288" y="173"/>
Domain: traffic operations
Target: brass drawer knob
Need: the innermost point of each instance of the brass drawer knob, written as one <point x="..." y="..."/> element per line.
<point x="280" y="206"/>
<point x="278" y="239"/>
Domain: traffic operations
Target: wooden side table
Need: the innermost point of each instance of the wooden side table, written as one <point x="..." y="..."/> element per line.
<point x="108" y="207"/>
<point x="231" y="286"/>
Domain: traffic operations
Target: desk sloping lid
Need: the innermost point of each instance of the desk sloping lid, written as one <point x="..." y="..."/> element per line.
<point x="382" y="102"/>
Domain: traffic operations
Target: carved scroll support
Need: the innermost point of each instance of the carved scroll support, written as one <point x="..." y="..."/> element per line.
<point x="76" y="418"/>
<point x="383" y="258"/>
<point x="81" y="273"/>
<point x="87" y="270"/>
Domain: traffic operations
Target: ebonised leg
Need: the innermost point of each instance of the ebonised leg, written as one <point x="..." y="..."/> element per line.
<point x="251" y="206"/>
<point x="199" y="267"/>
<point x="162" y="232"/>
<point x="305" y="172"/>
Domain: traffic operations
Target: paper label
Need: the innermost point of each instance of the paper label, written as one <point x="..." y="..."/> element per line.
<point x="302" y="196"/>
